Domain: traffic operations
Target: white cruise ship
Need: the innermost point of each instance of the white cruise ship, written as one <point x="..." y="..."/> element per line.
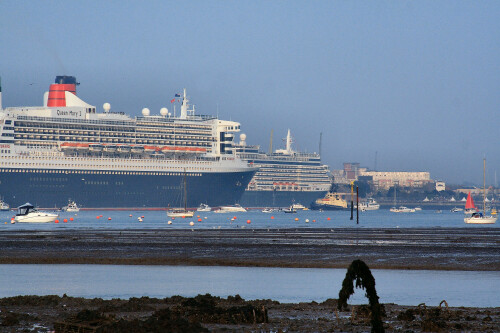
<point x="284" y="177"/>
<point x="66" y="148"/>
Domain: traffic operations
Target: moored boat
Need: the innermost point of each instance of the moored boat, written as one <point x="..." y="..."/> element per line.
<point x="478" y="217"/>
<point x="370" y="204"/>
<point x="27" y="213"/>
<point x="331" y="201"/>
<point x="204" y="208"/>
<point x="179" y="212"/>
<point x="233" y="208"/>
<point x="470" y="208"/>
<point x="4" y="206"/>
<point x="71" y="207"/>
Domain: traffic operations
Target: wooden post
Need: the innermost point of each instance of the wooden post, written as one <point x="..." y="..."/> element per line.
<point x="352" y="200"/>
<point x="357" y="205"/>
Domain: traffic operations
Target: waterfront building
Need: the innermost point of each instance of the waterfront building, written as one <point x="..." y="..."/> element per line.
<point x="388" y="179"/>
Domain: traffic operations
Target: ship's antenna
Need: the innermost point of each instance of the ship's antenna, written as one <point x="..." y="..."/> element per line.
<point x="271" y="143"/>
<point x="184" y="106"/>
<point x="320" y="141"/>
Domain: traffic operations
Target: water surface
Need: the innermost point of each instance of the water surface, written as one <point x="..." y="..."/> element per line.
<point x="404" y="287"/>
<point x="303" y="219"/>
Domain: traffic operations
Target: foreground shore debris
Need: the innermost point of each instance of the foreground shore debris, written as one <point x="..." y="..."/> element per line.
<point x="206" y="313"/>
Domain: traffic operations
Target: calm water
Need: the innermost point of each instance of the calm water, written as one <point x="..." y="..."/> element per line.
<point x="158" y="219"/>
<point x="458" y="288"/>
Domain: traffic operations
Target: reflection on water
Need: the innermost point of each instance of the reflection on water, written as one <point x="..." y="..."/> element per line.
<point x="305" y="219"/>
<point x="458" y="288"/>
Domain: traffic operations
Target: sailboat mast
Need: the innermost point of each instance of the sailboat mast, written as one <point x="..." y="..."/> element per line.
<point x="484" y="186"/>
<point x="185" y="191"/>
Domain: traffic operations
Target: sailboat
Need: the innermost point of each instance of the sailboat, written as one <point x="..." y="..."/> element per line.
<point x="394" y="209"/>
<point x="182" y="212"/>
<point x="470" y="208"/>
<point x="478" y="217"/>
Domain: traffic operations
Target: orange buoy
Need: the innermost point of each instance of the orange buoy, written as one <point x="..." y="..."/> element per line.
<point x="65" y="220"/>
<point x="296" y="219"/>
<point x="98" y="217"/>
<point x="248" y="221"/>
<point x="71" y="219"/>
<point x="272" y="217"/>
<point x="234" y="217"/>
<point x="56" y="221"/>
<point x="199" y="220"/>
<point x="142" y="216"/>
<point x="197" y="215"/>
<point x="109" y="218"/>
<point x="328" y="218"/>
<point x="130" y="215"/>
<point x="314" y="220"/>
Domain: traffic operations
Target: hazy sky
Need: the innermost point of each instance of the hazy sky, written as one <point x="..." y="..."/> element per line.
<point x="416" y="81"/>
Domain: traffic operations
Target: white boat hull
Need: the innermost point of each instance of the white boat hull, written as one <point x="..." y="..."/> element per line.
<point x="232" y="209"/>
<point x="38" y="217"/>
<point x="480" y="220"/>
<point x="180" y="214"/>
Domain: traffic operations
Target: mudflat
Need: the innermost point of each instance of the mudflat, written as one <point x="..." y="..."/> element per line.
<point x="412" y="248"/>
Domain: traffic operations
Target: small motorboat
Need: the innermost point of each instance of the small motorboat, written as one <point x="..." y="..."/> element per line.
<point x="233" y="208"/>
<point x="27" y="213"/>
<point x="204" y="208"/>
<point x="4" y="206"/>
<point x="290" y="210"/>
<point x="71" y="207"/>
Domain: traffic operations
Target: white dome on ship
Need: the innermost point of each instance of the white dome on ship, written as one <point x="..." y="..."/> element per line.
<point x="164" y="111"/>
<point x="145" y="112"/>
<point x="106" y="107"/>
<point x="243" y="137"/>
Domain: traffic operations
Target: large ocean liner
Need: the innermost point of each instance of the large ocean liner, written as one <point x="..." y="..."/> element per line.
<point x="284" y="177"/>
<point x="66" y="149"/>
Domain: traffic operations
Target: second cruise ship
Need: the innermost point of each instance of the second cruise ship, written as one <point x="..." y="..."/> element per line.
<point x="285" y="176"/>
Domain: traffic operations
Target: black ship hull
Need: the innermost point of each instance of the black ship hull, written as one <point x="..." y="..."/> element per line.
<point x="90" y="189"/>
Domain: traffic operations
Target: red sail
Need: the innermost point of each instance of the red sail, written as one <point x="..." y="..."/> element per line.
<point x="470" y="203"/>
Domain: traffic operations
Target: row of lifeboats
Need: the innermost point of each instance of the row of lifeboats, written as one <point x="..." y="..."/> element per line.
<point x="127" y="149"/>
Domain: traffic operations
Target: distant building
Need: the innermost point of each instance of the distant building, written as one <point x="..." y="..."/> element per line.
<point x="440" y="186"/>
<point x="351" y="171"/>
<point x="387" y="179"/>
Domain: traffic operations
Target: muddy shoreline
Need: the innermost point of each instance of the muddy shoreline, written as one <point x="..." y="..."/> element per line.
<point x="206" y="313"/>
<point x="413" y="248"/>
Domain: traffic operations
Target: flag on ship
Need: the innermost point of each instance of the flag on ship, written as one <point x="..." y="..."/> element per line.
<point x="172" y="100"/>
<point x="177" y="95"/>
